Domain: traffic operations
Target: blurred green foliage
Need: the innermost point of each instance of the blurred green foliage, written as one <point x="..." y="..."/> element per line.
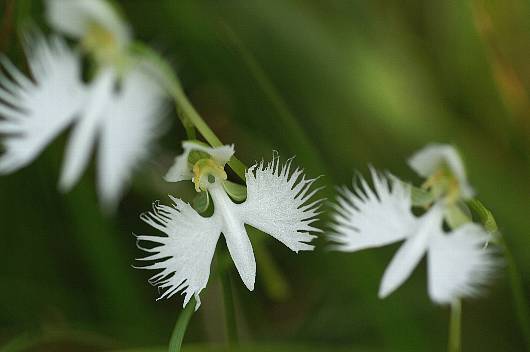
<point x="338" y="83"/>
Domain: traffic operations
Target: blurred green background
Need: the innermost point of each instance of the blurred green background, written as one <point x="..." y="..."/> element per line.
<point x="339" y="84"/>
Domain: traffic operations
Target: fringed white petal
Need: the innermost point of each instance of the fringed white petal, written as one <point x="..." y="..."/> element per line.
<point x="279" y="203"/>
<point x="34" y="112"/>
<point x="74" y="18"/>
<point x="181" y="171"/>
<point x="366" y="218"/>
<point x="185" y="254"/>
<point x="83" y="137"/>
<point x="131" y="122"/>
<point x="427" y="160"/>
<point x="411" y="252"/>
<point x="459" y="263"/>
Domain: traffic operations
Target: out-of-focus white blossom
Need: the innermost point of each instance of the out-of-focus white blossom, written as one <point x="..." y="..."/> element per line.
<point x="119" y="109"/>
<point x="79" y="17"/>
<point x="459" y="264"/>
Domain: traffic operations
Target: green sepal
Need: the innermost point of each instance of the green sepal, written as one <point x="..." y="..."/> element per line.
<point x="421" y="197"/>
<point x="457" y="215"/>
<point x="196" y="155"/>
<point x="484" y="214"/>
<point x="201" y="202"/>
<point x="236" y="191"/>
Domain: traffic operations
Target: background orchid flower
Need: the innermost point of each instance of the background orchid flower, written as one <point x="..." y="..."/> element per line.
<point x="81" y="17"/>
<point x="121" y="103"/>
<point x="278" y="202"/>
<point x="441" y="163"/>
<point x="95" y="23"/>
<point x="458" y="263"/>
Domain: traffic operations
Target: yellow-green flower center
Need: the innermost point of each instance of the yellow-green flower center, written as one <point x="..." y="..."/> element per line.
<point x="101" y="43"/>
<point x="207" y="172"/>
<point x="444" y="184"/>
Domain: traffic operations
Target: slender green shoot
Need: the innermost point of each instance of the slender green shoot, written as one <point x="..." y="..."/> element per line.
<point x="189" y="114"/>
<point x="175" y="343"/>
<point x="518" y="295"/>
<point x="190" y="118"/>
<point x="455" y="327"/>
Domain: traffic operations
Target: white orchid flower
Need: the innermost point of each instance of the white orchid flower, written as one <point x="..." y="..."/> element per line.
<point x="278" y="203"/>
<point x="436" y="161"/>
<point x="458" y="262"/>
<point x="121" y="105"/>
<point x="94" y="22"/>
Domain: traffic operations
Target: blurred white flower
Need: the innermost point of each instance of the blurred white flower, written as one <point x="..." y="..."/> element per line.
<point x="95" y="23"/>
<point x="79" y="17"/>
<point x="278" y="203"/>
<point x="458" y="262"/>
<point x="434" y="159"/>
<point x="121" y="105"/>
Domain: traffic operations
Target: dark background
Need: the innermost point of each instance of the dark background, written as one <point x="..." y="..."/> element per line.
<point x="339" y="84"/>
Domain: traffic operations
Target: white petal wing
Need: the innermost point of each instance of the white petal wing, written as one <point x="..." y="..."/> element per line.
<point x="459" y="263"/>
<point x="411" y="252"/>
<point x="34" y="112"/>
<point x="130" y="125"/>
<point x="366" y="218"/>
<point x="279" y="203"/>
<point x="185" y="254"/>
<point x="83" y="137"/>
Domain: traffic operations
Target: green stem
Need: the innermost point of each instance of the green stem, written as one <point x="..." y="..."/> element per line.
<point x="518" y="295"/>
<point x="190" y="116"/>
<point x="230" y="312"/>
<point x="455" y="327"/>
<point x="188" y="125"/>
<point x="520" y="303"/>
<point x="175" y="343"/>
